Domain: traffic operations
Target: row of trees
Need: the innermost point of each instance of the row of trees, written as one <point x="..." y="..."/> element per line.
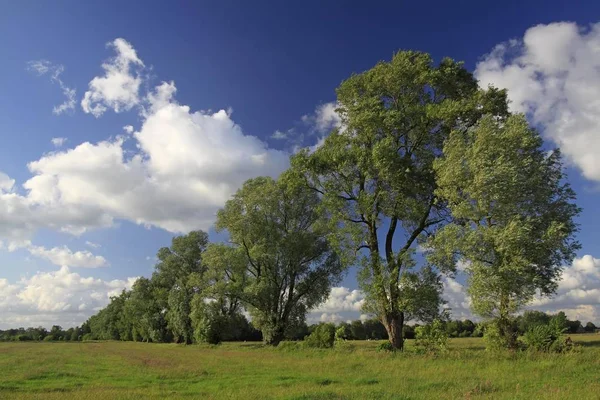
<point x="370" y="329"/>
<point x="277" y="265"/>
<point x="56" y="333"/>
<point x="423" y="156"/>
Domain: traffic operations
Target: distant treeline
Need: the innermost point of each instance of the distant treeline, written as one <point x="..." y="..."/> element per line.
<point x="370" y="329"/>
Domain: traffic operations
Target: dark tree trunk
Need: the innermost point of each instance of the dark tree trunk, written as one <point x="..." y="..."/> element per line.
<point x="394" y="324"/>
<point x="508" y="333"/>
<point x="275" y="337"/>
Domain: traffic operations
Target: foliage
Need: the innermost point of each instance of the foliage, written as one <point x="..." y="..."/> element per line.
<point x="342" y="333"/>
<point x="279" y="263"/>
<point x="375" y="175"/>
<point x="431" y="338"/>
<point x="546" y="338"/>
<point x="209" y="324"/>
<point x="385" y="347"/>
<point x="513" y="216"/>
<point x="322" y="337"/>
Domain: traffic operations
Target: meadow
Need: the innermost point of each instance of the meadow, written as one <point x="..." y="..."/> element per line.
<point x="130" y="370"/>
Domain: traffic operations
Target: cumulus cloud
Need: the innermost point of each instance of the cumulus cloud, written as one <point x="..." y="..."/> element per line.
<point x="63" y="256"/>
<point x="118" y="88"/>
<point x="326" y="118"/>
<point x="457" y="300"/>
<point x="6" y="184"/>
<point x="61" y="297"/>
<point x="278" y="135"/>
<point x="42" y="67"/>
<point x="188" y="165"/>
<point x="342" y="299"/>
<point x="184" y="166"/>
<point x="22" y="215"/>
<point x="553" y="75"/>
<point x="333" y="318"/>
<point x="312" y="129"/>
<point x="578" y="293"/>
<point x="58" y="141"/>
<point x="92" y="244"/>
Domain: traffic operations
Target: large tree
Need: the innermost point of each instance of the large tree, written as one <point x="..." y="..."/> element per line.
<point x="376" y="178"/>
<point x="279" y="250"/>
<point x="513" y="216"/>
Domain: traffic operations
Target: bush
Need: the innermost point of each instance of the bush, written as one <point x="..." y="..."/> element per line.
<point x="547" y="338"/>
<point x="49" y="338"/>
<point x="431" y="338"/>
<point x="341" y="334"/>
<point x="322" y="337"/>
<point x="386" y="346"/>
<point x="24" y="338"/>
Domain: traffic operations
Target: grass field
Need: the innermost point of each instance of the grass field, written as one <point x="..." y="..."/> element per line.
<point x="126" y="370"/>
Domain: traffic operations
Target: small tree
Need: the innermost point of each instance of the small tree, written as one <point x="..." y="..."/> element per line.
<point x="513" y="216"/>
<point x="322" y="337"/>
<point x="431" y="338"/>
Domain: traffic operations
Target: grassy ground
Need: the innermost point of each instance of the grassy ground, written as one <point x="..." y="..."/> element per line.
<point x="107" y="370"/>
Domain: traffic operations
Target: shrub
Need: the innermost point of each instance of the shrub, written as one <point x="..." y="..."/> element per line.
<point x="24" y="338"/>
<point x="547" y="338"/>
<point x="341" y="334"/>
<point x="386" y="346"/>
<point x="322" y="337"/>
<point x="432" y="338"/>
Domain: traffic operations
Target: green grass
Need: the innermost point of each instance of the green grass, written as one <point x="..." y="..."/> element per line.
<point x="125" y="370"/>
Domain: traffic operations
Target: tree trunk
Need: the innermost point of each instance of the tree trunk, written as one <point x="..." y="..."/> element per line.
<point x="507" y="332"/>
<point x="274" y="336"/>
<point x="394" y="324"/>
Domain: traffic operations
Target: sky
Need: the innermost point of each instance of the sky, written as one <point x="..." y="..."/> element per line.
<point x="123" y="125"/>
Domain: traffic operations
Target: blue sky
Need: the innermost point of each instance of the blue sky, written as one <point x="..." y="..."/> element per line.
<point x="81" y="217"/>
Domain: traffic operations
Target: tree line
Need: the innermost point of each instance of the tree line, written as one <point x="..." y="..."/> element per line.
<point x="369" y="329"/>
<point x="423" y="157"/>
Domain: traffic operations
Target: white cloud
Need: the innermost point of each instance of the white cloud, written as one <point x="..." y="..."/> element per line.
<point x="42" y="67"/>
<point x="21" y="216"/>
<point x="60" y="297"/>
<point x="64" y="257"/>
<point x="58" y="141"/>
<point x="578" y="293"/>
<point x="553" y="75"/>
<point x="458" y="302"/>
<point x="333" y="318"/>
<point x="278" y="135"/>
<point x="6" y="184"/>
<point x="119" y="86"/>
<point x="185" y="165"/>
<point x="326" y="118"/>
<point x="92" y="244"/>
<point x="342" y="299"/>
